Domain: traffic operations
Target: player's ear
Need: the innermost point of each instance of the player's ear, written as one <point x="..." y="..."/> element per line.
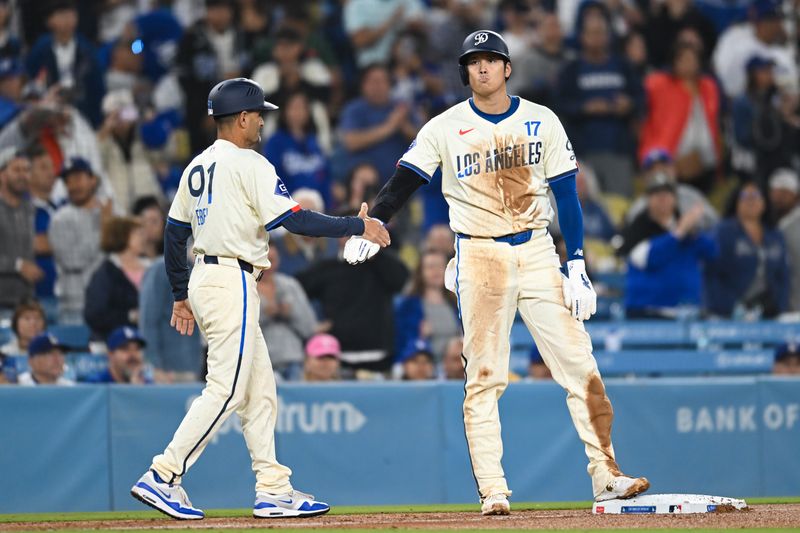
<point x="508" y="69"/>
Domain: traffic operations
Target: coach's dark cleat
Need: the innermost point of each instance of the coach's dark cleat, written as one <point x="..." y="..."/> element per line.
<point x="169" y="499"/>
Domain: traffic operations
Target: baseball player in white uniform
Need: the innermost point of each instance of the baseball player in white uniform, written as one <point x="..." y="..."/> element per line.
<point x="228" y="199"/>
<point x="500" y="155"/>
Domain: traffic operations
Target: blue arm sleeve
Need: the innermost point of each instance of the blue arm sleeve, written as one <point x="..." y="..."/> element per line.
<point x="175" y="236"/>
<point x="570" y="216"/>
<point x="313" y="224"/>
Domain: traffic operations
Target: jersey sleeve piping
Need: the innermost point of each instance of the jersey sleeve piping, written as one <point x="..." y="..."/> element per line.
<point x="563" y="175"/>
<point x="280" y="218"/>
<point x="410" y="166"/>
<point x="177" y="222"/>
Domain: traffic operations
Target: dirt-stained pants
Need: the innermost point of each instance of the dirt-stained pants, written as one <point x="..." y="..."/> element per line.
<point x="240" y="379"/>
<point x="493" y="280"/>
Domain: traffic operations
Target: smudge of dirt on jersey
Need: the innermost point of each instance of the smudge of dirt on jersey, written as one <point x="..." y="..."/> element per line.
<point x="514" y="185"/>
<point x="484" y="373"/>
<point x="601" y="414"/>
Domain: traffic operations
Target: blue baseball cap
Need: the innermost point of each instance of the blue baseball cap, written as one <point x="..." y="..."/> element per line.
<point x="124" y="335"/>
<point x="10" y="66"/>
<point x="656" y="155"/>
<point x="757" y="62"/>
<point x="76" y="164"/>
<point x="414" y="347"/>
<point x="44" y="343"/>
<point x="766" y="9"/>
<point x="236" y="95"/>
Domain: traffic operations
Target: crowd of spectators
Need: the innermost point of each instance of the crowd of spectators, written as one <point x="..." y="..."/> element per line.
<point x="685" y="115"/>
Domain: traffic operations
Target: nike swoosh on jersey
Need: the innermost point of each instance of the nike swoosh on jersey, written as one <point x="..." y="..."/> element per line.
<point x="464" y="132"/>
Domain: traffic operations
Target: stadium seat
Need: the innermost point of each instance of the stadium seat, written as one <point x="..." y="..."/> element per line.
<point x="74" y="336"/>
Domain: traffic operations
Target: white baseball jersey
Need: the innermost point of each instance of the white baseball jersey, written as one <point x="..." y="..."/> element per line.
<point x="495" y="168"/>
<point x="231" y="196"/>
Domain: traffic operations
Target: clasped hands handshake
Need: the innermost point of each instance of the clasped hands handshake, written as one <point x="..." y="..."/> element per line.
<point x="360" y="248"/>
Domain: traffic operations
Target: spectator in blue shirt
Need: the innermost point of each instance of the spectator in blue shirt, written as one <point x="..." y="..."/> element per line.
<point x="125" y="359"/>
<point x="11" y="83"/>
<point x="68" y="59"/>
<point x="374" y="128"/>
<point x="428" y="311"/>
<point x="599" y="97"/>
<point x="597" y="223"/>
<point x="175" y="358"/>
<point x="43" y="179"/>
<point x="664" y="253"/>
<point x="751" y="275"/>
<point x="299" y="252"/>
<point x="295" y="150"/>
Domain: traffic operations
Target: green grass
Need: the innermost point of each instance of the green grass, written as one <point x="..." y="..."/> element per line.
<point x="336" y="510"/>
<point x="345" y="510"/>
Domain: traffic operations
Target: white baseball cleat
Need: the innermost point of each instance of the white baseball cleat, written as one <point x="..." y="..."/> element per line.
<point x="169" y="499"/>
<point x="623" y="487"/>
<point x="496" y="504"/>
<point x="294" y="503"/>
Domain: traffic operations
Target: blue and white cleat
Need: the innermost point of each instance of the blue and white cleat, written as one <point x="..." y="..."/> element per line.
<point x="169" y="499"/>
<point x="294" y="503"/>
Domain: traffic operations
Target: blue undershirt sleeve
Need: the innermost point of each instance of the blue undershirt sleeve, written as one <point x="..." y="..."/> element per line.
<point x="314" y="224"/>
<point x="176" y="234"/>
<point x="570" y="216"/>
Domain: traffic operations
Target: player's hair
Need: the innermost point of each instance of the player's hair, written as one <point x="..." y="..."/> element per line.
<point x="146" y="202"/>
<point x="370" y="192"/>
<point x="24" y="307"/>
<point x="283" y="124"/>
<point x="364" y="72"/>
<point x="679" y="48"/>
<point x="35" y="150"/>
<point x="732" y="201"/>
<point x="224" y="121"/>
<point x="115" y="234"/>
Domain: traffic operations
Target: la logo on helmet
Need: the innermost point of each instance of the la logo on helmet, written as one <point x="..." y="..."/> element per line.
<point x="481" y="38"/>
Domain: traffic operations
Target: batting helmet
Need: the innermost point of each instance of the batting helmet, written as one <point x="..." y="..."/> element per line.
<point x="237" y="95"/>
<point x="480" y="41"/>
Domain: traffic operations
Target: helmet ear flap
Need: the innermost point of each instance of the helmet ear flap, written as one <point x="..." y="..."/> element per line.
<point x="462" y="71"/>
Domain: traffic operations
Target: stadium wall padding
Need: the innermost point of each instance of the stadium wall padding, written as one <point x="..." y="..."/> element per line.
<point x="81" y="448"/>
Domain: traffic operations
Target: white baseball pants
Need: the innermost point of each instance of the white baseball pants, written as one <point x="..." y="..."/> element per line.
<point x="240" y="379"/>
<point x="493" y="280"/>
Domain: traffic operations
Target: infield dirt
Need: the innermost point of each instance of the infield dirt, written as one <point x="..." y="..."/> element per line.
<point x="760" y="516"/>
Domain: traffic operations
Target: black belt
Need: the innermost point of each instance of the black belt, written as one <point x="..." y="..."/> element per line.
<point x="514" y="239"/>
<point x="244" y="265"/>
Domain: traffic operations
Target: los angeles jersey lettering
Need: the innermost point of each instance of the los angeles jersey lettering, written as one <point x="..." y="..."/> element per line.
<point x="495" y="169"/>
<point x="212" y="191"/>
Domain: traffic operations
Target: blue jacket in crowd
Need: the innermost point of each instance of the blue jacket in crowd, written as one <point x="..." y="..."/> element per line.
<point x="663" y="272"/>
<point x="89" y="85"/>
<point x="299" y="162"/>
<point x="580" y="82"/>
<point x="361" y="115"/>
<point x="730" y="276"/>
